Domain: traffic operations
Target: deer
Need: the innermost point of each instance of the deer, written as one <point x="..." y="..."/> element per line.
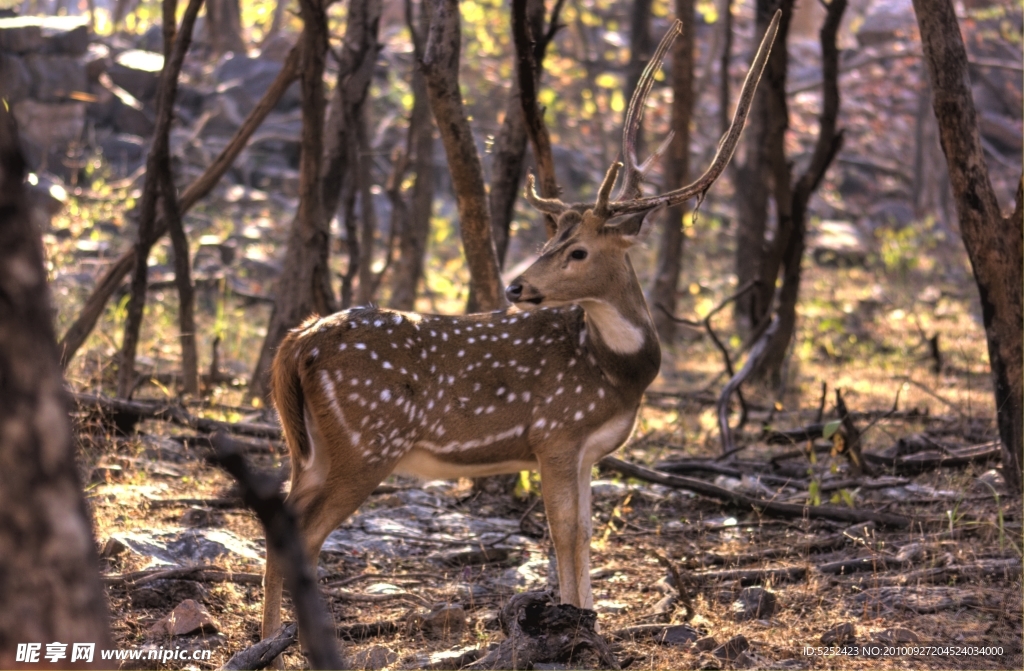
<point x="553" y="383"/>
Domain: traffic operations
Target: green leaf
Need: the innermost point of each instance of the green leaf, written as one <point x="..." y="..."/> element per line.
<point x="831" y="428"/>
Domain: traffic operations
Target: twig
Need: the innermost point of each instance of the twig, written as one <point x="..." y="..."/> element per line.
<point x="194" y="573"/>
<point x="757" y="352"/>
<point x="684" y="598"/>
<point x="283" y="538"/>
<point x="768" y="507"/>
<point x="260" y="655"/>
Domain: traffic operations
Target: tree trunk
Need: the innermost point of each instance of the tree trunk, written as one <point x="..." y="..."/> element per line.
<point x="723" y="88"/>
<point x="441" y="68"/>
<point x="670" y="250"/>
<point x="531" y="45"/>
<point x="355" y="71"/>
<point x="994" y="243"/>
<point x="305" y="284"/>
<point x="224" y="26"/>
<point x="367" y="211"/>
<point x="640" y="42"/>
<point x="507" y="160"/>
<point x="158" y="160"/>
<point x="413" y="242"/>
<point x="49" y="575"/>
<point x="826" y="147"/>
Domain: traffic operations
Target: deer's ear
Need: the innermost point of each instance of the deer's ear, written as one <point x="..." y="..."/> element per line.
<point x="631" y="227"/>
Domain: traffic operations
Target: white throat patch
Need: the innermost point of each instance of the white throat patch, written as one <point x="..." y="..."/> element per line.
<point x="618" y="333"/>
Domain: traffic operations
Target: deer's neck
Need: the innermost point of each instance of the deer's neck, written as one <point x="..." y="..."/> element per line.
<point x="620" y="333"/>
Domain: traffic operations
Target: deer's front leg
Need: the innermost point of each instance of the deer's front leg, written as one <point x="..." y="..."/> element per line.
<point x="565" y="487"/>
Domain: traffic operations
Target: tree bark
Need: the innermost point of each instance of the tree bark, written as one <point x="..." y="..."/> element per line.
<point x="49" y="575"/>
<point x="224" y="26"/>
<point x="183" y="281"/>
<point x="765" y="162"/>
<point x="826" y="147"/>
<point x="994" y="243"/>
<point x="413" y="241"/>
<point x="355" y="71"/>
<point x="440" y="65"/>
<point x="158" y="160"/>
<point x="723" y="89"/>
<point x="111" y="280"/>
<point x="640" y="41"/>
<point x="305" y="284"/>
<point x="670" y="250"/>
<point x="531" y="44"/>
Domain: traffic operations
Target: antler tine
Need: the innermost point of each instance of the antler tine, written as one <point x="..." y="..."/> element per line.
<point x="726" y="146"/>
<point x="552" y="206"/>
<point x="605" y="192"/>
<point x="635" y="114"/>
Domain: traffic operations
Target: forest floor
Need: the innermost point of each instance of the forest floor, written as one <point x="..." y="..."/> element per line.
<point x="951" y="580"/>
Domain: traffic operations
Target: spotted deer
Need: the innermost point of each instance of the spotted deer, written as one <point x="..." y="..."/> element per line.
<point x="553" y="384"/>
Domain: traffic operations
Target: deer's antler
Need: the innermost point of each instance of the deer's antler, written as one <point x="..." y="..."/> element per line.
<point x="631" y="202"/>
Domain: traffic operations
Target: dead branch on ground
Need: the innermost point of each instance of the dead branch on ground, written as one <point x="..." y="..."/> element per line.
<point x="262" y="654"/>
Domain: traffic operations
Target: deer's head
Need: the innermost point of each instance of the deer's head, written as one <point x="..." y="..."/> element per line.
<point x="585" y="260"/>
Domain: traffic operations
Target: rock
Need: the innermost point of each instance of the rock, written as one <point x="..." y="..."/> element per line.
<point x="440" y="622"/>
<point x="277" y="48"/>
<point x="886" y="21"/>
<point x="839" y="244"/>
<point x="49" y="125"/>
<point x="449" y="659"/>
<point x="55" y="78"/>
<point x="131" y="120"/>
<point x="188" y="617"/>
<point x="138" y="72"/>
<point x="152" y="39"/>
<point x="246" y="79"/>
<point x="112" y="548"/>
<point x="754" y="603"/>
<point x="20" y="34"/>
<point x="15" y="78"/>
<point x="610" y="606"/>
<point x="374" y="657"/>
<point x="840" y="634"/>
<point x="473" y="556"/>
<point x="97" y="61"/>
<point x="896" y="635"/>
<point x="731" y="649"/>
<point x="124" y="151"/>
<point x="910" y="553"/>
<point x="189" y="546"/>
<point x="73" y="42"/>
<point x="706" y="644"/>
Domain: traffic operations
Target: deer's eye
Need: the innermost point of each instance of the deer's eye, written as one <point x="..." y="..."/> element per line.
<point x="578" y="254"/>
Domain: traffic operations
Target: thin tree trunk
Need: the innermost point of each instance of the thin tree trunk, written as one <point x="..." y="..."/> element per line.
<point x="277" y="21"/>
<point x="760" y="174"/>
<point x="507" y="161"/>
<point x="305" y="284"/>
<point x="355" y="71"/>
<point x="49" y="574"/>
<point x="723" y="86"/>
<point x="183" y="281"/>
<point x="224" y="26"/>
<point x="159" y="157"/>
<point x="111" y="280"/>
<point x="413" y="242"/>
<point x="441" y="68"/>
<point x="368" y="213"/>
<point x="994" y="243"/>
<point x="531" y="44"/>
<point x="182" y="268"/>
<point x="826" y="147"/>
<point x="640" y="42"/>
<point x="670" y="250"/>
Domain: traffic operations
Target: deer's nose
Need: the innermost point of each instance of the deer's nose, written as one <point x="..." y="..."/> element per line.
<point x="514" y="292"/>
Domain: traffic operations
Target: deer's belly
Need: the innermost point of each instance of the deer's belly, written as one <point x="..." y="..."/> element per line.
<point x="422" y="464"/>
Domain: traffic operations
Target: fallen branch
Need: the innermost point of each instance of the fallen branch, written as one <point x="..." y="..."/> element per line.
<point x="685" y="466"/>
<point x="991" y="568"/>
<point x="194" y="573"/>
<point x="260" y="655"/>
<point x="921" y="461"/>
<point x="768" y="507"/>
<point x="757" y="576"/>
<point x="128" y="413"/>
<point x="757" y="352"/>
